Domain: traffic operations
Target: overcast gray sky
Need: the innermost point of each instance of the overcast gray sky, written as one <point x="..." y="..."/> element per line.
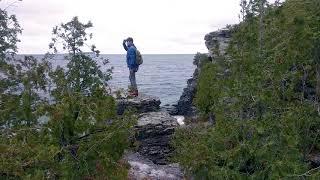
<point x="157" y="26"/>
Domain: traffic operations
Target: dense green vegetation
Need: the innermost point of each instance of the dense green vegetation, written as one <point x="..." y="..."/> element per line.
<point x="70" y="133"/>
<point x="267" y="111"/>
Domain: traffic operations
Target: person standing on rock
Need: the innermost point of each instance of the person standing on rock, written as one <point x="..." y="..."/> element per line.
<point x="133" y="64"/>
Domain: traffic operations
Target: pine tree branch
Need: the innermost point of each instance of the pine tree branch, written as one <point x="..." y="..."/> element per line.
<point x="306" y="174"/>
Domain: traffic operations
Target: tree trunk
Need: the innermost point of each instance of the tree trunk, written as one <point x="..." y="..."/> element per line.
<point x="261" y="27"/>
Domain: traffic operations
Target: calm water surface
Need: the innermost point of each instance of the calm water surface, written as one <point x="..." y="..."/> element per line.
<point x="163" y="76"/>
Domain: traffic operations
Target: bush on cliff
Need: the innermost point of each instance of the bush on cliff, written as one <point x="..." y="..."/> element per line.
<point x="83" y="138"/>
<point x="267" y="106"/>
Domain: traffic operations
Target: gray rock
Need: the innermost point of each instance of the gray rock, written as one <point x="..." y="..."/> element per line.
<point x="217" y="43"/>
<point x="185" y="104"/>
<point x="142" y="168"/>
<point x="153" y="133"/>
<point x="314" y="160"/>
<point x="172" y="110"/>
<point x="141" y="104"/>
<point x="219" y="39"/>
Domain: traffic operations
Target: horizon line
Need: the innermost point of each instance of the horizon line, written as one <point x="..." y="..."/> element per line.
<point x="116" y="53"/>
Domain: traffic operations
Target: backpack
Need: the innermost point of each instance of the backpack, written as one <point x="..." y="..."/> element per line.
<point x="139" y="57"/>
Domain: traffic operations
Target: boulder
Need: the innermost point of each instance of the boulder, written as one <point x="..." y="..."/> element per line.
<point x="141" y="104"/>
<point x="153" y="133"/>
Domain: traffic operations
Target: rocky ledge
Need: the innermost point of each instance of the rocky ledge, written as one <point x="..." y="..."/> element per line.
<point x="217" y="42"/>
<point x="153" y="134"/>
<point x="142" y="168"/>
<point x="141" y="104"/>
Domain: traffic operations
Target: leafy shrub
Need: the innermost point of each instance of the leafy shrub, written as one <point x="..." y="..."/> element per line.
<point x="83" y="138"/>
<point x="267" y="106"/>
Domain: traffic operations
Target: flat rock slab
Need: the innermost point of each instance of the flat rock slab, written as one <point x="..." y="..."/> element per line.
<point x="154" y="131"/>
<point x="142" y="104"/>
<point x="142" y="168"/>
<point x="156" y="118"/>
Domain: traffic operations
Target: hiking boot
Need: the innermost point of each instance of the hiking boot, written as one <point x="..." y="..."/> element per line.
<point x="130" y="91"/>
<point x="135" y="93"/>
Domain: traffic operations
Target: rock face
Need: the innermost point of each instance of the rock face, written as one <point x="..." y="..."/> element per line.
<point x="142" y="168"/>
<point x="154" y="129"/>
<point x="141" y="104"/>
<point x="217" y="43"/>
<point x="153" y="133"/>
<point x="185" y="104"/>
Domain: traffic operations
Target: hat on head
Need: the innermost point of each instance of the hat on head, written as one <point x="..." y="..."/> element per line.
<point x="130" y="39"/>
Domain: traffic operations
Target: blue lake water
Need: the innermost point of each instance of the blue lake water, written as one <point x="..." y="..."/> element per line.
<point x="164" y="76"/>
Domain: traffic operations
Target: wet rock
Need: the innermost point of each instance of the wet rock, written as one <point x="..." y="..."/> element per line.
<point x="171" y="109"/>
<point x="141" y="104"/>
<point x="154" y="131"/>
<point x="185" y="104"/>
<point x="142" y="168"/>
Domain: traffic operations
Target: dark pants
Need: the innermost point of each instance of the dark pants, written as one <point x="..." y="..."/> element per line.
<point x="132" y="78"/>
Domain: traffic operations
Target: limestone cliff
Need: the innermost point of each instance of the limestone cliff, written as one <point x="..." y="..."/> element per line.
<point x="217" y="43"/>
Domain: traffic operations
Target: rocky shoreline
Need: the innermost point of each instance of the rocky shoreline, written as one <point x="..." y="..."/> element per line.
<point x="142" y="168"/>
<point x="156" y="125"/>
<point x="153" y="133"/>
<point x="216" y="43"/>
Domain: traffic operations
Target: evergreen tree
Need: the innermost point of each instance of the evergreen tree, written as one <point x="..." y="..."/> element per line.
<point x="267" y="107"/>
<point x="82" y="138"/>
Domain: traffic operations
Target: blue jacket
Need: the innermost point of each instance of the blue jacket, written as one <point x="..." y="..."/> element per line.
<point x="131" y="58"/>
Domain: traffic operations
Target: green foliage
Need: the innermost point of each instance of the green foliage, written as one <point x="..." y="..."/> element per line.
<point x="266" y="100"/>
<point x="83" y="138"/>
<point x="34" y="153"/>
<point x="9" y="31"/>
<point x="20" y="103"/>
<point x="84" y="75"/>
<point x="19" y="78"/>
<point x="200" y="59"/>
